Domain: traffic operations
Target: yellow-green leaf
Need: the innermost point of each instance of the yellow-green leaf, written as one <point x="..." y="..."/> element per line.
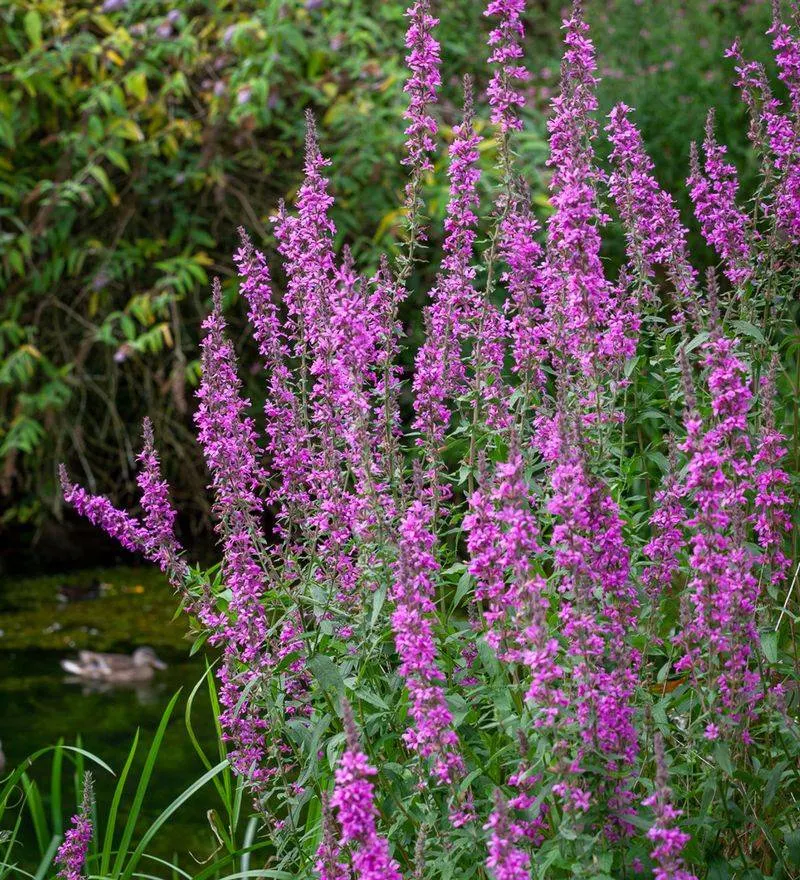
<point x="128" y="129"/>
<point x="136" y="85"/>
<point x="33" y="27"/>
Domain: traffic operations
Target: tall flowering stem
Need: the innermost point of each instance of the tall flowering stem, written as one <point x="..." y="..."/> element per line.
<point x="653" y="229"/>
<point x="160" y="542"/>
<point x="287" y="435"/>
<point x="71" y="855"/>
<point x="228" y="439"/>
<point x="423" y="62"/>
<point x="588" y="323"/>
<point x="412" y="621"/>
<point x="505" y="40"/>
<point x="720" y="633"/>
<point x="598" y="612"/>
<point x="353" y="799"/>
<point x="713" y="188"/>
<point x="455" y="305"/>
<point x="772" y="502"/>
<point x="507" y="860"/>
<point x="669" y="841"/>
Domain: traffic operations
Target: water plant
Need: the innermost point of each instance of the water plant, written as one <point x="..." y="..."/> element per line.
<point x="527" y="611"/>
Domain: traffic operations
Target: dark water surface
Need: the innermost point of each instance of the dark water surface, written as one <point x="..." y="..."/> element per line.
<point x="39" y="704"/>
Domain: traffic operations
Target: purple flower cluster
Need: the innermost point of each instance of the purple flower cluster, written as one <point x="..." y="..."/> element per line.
<point x="522" y="253"/>
<point x="353" y="799"/>
<point x="423" y="61"/>
<point x="598" y="610"/>
<point x="504" y="93"/>
<point x="413" y="595"/>
<point x="71" y="855"/>
<point x="720" y="632"/>
<point x="772" y="501"/>
<point x="502" y="534"/>
<point x="588" y="324"/>
<point x="228" y="438"/>
<point x="668" y="839"/>
<point x="725" y="226"/>
<point x="774" y="132"/>
<point x="506" y="861"/>
<point x="653" y="229"/>
<point x="455" y="305"/>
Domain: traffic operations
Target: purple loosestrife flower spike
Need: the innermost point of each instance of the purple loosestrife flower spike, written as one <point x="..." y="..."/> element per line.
<point x="669" y="840"/>
<point x="668" y="540"/>
<point x="724" y="225"/>
<point x="598" y="612"/>
<point x="782" y="129"/>
<point x="773" y="134"/>
<point x="413" y="595"/>
<point x="505" y="96"/>
<point x="719" y="635"/>
<point x="161" y="544"/>
<point x="502" y="534"/>
<point x="353" y="799"/>
<point x="287" y="440"/>
<point x="506" y="861"/>
<point x="772" y="503"/>
<point x="587" y="323"/>
<point x="71" y="855"/>
<point x="101" y="512"/>
<point x="423" y="61"/>
<point x="455" y="305"/>
<point x="523" y="254"/>
<point x="653" y="229"/>
<point x="228" y="439"/>
<point x="329" y="865"/>
<point x="786" y="46"/>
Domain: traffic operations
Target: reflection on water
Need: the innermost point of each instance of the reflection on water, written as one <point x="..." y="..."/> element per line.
<point x="40" y="704"/>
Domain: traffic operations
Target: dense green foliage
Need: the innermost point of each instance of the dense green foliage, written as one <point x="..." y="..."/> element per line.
<point x="133" y="142"/>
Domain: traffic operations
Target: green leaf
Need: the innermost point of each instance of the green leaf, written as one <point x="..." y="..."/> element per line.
<point x="33" y="27"/>
<point x="723" y="755"/>
<point x="326" y="673"/>
<point x="141" y="789"/>
<point x="136" y="85"/>
<point x="769" y="645"/>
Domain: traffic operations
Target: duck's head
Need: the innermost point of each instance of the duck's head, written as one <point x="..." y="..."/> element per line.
<point x="147" y="657"/>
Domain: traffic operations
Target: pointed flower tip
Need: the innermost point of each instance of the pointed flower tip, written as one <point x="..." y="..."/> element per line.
<point x="216" y="296"/>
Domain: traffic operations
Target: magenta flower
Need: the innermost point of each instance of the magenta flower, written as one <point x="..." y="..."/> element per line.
<point x="772" y="503"/>
<point x="353" y="799"/>
<point x="160" y="543"/>
<point x="669" y="840"/>
<point x="507" y="860"/>
<point x="523" y="254"/>
<point x="720" y="630"/>
<point x="653" y="229"/>
<point x="505" y="97"/>
<point x="423" y="61"/>
<point x="455" y="304"/>
<point x="413" y="594"/>
<point x="588" y="324"/>
<point x="71" y="854"/>
<point x="724" y="225"/>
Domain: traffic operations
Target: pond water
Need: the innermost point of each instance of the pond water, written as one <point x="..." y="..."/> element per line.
<point x="39" y="704"/>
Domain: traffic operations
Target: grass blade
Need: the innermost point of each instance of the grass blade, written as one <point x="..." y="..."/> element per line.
<point x="141" y="789"/>
<point x="55" y="787"/>
<point x="108" y="840"/>
<point x="35" y="805"/>
<point x="178" y="802"/>
<point x="47" y="859"/>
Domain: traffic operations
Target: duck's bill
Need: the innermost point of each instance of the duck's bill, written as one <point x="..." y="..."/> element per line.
<point x="159" y="664"/>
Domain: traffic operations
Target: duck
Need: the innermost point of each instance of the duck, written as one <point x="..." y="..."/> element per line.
<point x="112" y="668"/>
<point x="80" y="592"/>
